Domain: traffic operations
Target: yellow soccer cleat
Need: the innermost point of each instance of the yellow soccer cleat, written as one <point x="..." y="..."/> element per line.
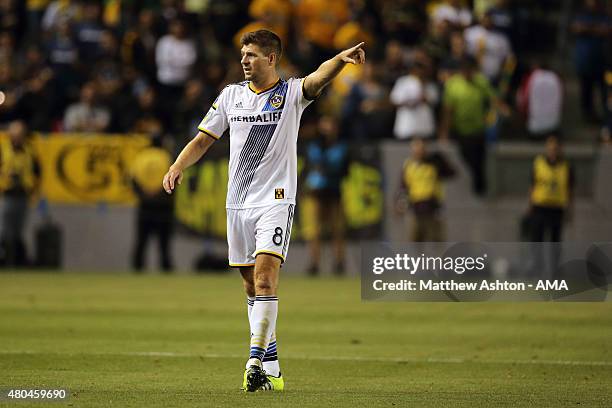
<point x="244" y="381"/>
<point x="271" y="383"/>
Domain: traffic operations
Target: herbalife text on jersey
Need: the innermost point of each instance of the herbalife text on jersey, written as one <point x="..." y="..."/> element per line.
<point x="264" y="118"/>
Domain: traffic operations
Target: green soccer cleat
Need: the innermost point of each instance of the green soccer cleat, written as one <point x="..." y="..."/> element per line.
<point x="271" y="383"/>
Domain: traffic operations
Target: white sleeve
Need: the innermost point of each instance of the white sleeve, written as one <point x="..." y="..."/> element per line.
<point x="296" y="88"/>
<point x="215" y="122"/>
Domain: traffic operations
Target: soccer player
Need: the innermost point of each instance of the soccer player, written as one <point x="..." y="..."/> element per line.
<point x="263" y="116"/>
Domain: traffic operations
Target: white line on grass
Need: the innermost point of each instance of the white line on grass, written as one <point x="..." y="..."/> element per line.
<point x="424" y="360"/>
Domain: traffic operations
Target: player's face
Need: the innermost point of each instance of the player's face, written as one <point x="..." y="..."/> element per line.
<point x="254" y="62"/>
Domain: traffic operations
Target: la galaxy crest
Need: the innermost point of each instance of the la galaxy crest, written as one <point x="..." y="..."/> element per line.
<point x="276" y="101"/>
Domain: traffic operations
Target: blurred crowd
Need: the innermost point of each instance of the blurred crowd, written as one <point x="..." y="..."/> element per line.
<point x="470" y="71"/>
<point x="154" y="66"/>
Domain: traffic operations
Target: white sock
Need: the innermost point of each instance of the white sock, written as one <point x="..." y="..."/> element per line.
<point x="270" y="361"/>
<point x="250" y="303"/>
<point x="263" y="324"/>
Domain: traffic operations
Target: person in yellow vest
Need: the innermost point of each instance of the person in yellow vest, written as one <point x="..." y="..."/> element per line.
<point x="421" y="186"/>
<point x="19" y="182"/>
<point x="155" y="213"/>
<point x="551" y="193"/>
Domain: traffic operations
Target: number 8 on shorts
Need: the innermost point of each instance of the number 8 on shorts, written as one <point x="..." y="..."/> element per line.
<point x="252" y="231"/>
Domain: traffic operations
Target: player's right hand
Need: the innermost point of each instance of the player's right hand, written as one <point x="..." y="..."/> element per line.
<point x="354" y="55"/>
<point x="172" y="178"/>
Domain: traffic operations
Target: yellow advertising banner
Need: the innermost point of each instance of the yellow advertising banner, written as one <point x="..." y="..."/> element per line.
<point x="87" y="169"/>
<point x="93" y="169"/>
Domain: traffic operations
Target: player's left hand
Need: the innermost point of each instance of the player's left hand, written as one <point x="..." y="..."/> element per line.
<point x="354" y="55"/>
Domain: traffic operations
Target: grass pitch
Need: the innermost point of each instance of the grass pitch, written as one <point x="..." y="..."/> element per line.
<point x="181" y="341"/>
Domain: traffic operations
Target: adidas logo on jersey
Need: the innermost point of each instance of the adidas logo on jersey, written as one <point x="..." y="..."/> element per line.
<point x="238" y="105"/>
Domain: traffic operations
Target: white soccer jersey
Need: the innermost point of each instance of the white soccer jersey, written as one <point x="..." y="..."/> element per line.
<point x="263" y="128"/>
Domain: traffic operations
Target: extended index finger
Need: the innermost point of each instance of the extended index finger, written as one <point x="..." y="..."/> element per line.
<point x="356" y="47"/>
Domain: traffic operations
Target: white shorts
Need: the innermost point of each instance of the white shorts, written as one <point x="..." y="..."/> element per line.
<point x="253" y="231"/>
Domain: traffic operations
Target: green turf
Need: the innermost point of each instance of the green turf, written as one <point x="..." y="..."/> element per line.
<point x="104" y="337"/>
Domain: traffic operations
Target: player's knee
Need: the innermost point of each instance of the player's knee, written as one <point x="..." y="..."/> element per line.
<point x="264" y="285"/>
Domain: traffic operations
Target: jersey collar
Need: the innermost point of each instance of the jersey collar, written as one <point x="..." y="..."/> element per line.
<point x="252" y="88"/>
